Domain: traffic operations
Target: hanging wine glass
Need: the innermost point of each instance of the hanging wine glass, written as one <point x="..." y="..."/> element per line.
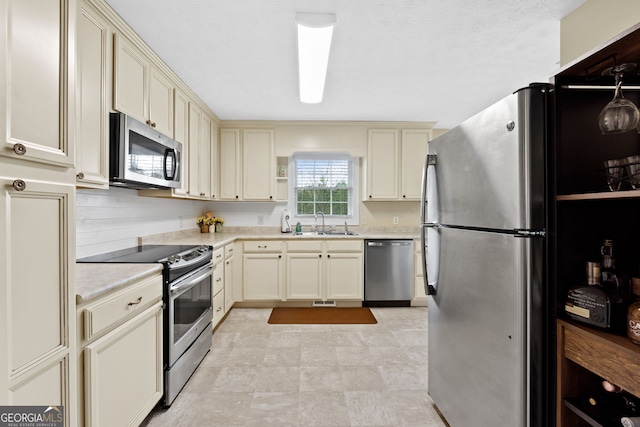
<point x="619" y="115"/>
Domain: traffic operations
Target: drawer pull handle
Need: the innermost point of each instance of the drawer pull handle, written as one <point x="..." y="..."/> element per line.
<point x="218" y="279"/>
<point x="19" y="185"/>
<point x="228" y="263"/>
<point x="262" y="247"/>
<point x="219" y="309"/>
<point x="19" y="149"/>
<point x="218" y="256"/>
<point x="139" y="300"/>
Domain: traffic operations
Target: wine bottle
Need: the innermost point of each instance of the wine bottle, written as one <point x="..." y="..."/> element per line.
<point x="630" y="421"/>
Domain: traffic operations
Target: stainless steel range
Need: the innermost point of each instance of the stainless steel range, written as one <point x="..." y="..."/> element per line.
<point x="188" y="310"/>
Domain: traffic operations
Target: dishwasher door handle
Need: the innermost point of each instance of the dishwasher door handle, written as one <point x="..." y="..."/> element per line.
<point x="388" y="243"/>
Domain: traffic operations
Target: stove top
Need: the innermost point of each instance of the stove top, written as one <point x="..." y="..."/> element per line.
<point x="140" y="254"/>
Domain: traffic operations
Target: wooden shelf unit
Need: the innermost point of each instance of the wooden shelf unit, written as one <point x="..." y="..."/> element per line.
<point x="583" y="351"/>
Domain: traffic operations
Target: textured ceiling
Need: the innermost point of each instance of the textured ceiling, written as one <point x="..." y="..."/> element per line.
<point x="391" y="60"/>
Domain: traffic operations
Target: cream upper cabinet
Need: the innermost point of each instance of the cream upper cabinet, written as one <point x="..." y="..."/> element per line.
<point x="131" y="80"/>
<point x="93" y="98"/>
<point x="140" y="90"/>
<point x="414" y="151"/>
<point x="259" y="168"/>
<point x="37" y="80"/>
<point x="230" y="164"/>
<point x="382" y="165"/>
<point x="161" y="102"/>
<point x="181" y="134"/>
<point x="200" y="132"/>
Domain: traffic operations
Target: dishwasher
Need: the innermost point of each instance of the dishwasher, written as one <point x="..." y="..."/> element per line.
<point x="388" y="273"/>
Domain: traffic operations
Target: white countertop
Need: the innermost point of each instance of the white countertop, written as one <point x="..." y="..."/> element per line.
<point x="94" y="280"/>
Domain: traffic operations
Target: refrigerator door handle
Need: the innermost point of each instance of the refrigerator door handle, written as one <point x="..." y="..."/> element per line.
<point x="430" y="287"/>
<point x="430" y="162"/>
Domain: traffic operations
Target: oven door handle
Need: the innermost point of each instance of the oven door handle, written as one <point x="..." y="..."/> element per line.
<point x="192" y="281"/>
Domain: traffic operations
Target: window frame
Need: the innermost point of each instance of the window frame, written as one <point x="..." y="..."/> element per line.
<point x="352" y="218"/>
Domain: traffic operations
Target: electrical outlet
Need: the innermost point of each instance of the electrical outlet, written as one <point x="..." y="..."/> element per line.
<point x="395" y="219"/>
<point x="260" y="220"/>
<point x="180" y="221"/>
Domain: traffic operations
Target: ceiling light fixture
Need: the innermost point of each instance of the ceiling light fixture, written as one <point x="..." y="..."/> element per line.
<point x="315" y="31"/>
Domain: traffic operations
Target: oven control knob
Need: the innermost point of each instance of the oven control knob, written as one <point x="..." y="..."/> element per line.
<point x="173" y="258"/>
<point x="203" y="249"/>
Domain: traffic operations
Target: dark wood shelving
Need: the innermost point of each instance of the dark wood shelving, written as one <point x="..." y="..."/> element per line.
<point x="604" y="195"/>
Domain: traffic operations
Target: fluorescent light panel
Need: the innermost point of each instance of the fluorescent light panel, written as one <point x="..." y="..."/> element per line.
<point x="315" y="31"/>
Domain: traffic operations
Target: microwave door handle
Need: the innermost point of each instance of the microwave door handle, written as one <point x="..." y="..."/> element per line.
<point x="170" y="152"/>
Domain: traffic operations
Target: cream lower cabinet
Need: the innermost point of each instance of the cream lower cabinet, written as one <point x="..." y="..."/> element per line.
<point x="262" y="270"/>
<point x="228" y="276"/>
<point x="37" y="337"/>
<point x="121" y="355"/>
<point x="218" y="286"/>
<point x="325" y="270"/>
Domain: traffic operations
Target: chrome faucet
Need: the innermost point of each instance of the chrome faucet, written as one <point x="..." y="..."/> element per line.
<point x="320" y="213"/>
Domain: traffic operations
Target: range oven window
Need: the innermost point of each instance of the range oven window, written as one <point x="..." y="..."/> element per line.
<point x="189" y="306"/>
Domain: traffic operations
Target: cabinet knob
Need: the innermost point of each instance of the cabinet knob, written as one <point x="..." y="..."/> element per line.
<point x="270" y="197"/>
<point x="329" y="256"/>
<point x="370" y="196"/>
<point x="404" y="196"/>
<point x="237" y="197"/>
<point x="319" y="255"/>
<point x="279" y="256"/>
<point x="153" y="124"/>
<point x="148" y="122"/>
<point x="80" y="175"/>
<point x="19" y="185"/>
<point x="19" y="149"/>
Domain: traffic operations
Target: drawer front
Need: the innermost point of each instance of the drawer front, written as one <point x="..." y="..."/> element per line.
<point x="218" y="308"/>
<point x="228" y="250"/>
<point x="304" y="246"/>
<point x="100" y="316"/>
<point x="617" y="364"/>
<point x="263" y="246"/>
<point x="345" y="245"/>
<point x="218" y="255"/>
<point x="218" y="278"/>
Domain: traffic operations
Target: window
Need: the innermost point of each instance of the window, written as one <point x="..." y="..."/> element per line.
<point x="324" y="184"/>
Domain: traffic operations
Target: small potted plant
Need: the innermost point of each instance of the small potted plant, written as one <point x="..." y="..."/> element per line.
<point x="205" y="222"/>
<point x="218" y="223"/>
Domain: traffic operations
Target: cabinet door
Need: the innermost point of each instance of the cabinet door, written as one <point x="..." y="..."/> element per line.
<point x="40" y="286"/>
<point x="37" y="82"/>
<point x="414" y="151"/>
<point x="228" y="284"/>
<point x="230" y="164"/>
<point x="258" y="179"/>
<point x="345" y="277"/>
<point x="382" y="165"/>
<point x="304" y="276"/>
<point x="262" y="276"/>
<point x="131" y="82"/>
<point x="205" y="157"/>
<point x="123" y="372"/>
<point x="161" y="103"/>
<point x="195" y="137"/>
<point x="181" y="134"/>
<point x="93" y="99"/>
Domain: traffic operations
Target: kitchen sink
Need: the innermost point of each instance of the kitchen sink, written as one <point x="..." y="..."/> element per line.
<point x="327" y="233"/>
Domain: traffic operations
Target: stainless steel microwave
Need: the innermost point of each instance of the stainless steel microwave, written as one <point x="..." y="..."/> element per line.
<point x="141" y="157"/>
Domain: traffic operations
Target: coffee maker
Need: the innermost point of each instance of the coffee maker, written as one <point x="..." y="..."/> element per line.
<point x="285" y="227"/>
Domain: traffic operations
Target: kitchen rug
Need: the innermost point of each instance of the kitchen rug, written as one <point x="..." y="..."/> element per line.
<point x="321" y="315"/>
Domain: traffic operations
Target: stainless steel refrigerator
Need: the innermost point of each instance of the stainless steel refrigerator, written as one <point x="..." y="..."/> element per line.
<point x="483" y="234"/>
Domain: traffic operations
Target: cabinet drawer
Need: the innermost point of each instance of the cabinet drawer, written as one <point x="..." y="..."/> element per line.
<point x="228" y="250"/>
<point x="218" y="308"/>
<point x="345" y="245"/>
<point x="218" y="278"/>
<point x="218" y="255"/>
<point x="263" y="246"/>
<point x="304" y="246"/>
<point x="106" y="312"/>
<point x="615" y="358"/>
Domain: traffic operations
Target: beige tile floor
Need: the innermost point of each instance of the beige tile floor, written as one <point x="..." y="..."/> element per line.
<point x="258" y="374"/>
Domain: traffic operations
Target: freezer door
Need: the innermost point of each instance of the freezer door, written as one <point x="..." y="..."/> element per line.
<point x="477" y="340"/>
<point x="490" y="169"/>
